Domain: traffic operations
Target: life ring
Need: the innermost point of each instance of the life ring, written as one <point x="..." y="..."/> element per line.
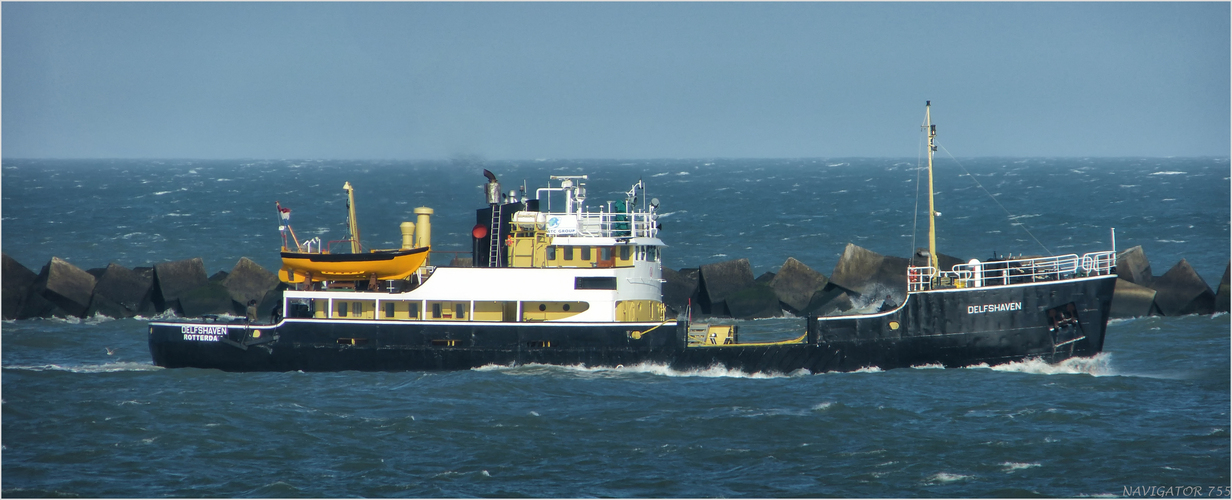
<point x="509" y="240"/>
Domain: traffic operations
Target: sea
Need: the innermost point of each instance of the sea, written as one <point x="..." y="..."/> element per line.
<point x="87" y="414"/>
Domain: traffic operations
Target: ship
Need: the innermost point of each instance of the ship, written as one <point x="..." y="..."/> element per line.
<point x="579" y="286"/>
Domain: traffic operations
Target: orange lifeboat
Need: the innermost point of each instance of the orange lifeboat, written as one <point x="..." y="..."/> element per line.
<point x="302" y="264"/>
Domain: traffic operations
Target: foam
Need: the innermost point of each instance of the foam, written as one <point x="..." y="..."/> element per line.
<point x="1015" y="466"/>
<point x="946" y="477"/>
<point x="647" y="368"/>
<point x="122" y="366"/>
<point x="1098" y="365"/>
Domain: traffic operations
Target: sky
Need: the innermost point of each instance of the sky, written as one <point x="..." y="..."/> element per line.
<point x="521" y="81"/>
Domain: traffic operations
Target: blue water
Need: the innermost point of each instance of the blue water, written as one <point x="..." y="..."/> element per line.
<point x="86" y="414"/>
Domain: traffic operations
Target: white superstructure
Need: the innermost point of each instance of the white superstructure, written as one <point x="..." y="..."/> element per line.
<point x="575" y="265"/>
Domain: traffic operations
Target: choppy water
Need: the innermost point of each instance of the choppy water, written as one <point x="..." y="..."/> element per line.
<point x="85" y="413"/>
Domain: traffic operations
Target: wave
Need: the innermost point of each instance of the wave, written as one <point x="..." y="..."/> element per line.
<point x="120" y="366"/>
<point x="646" y="368"/>
<point x="946" y="477"/>
<point x="1098" y="365"/>
<point x="1168" y="172"/>
<point x="1013" y="466"/>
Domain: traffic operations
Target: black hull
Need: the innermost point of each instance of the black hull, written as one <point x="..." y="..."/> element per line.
<point x="1052" y="321"/>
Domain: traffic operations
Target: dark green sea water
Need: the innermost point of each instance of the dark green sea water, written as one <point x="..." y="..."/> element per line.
<point x="86" y="414"/>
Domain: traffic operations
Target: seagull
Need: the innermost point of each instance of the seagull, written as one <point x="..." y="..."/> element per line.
<point x="110" y="351"/>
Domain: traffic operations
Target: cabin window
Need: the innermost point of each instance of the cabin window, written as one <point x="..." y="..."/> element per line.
<point x="357" y="310"/>
<point x="568" y="251"/>
<point x="342" y="309"/>
<point x="585" y="253"/>
<point x="605" y="253"/>
<point x="436" y="311"/>
<point x="414" y="310"/>
<point x="543" y="307"/>
<point x="389" y="309"/>
<point x="551" y="253"/>
<point x="459" y="311"/>
<point x="594" y="283"/>
<point x="624" y="253"/>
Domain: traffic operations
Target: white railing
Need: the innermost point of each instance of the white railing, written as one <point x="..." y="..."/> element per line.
<point x="1014" y="271"/>
<point x="602" y="224"/>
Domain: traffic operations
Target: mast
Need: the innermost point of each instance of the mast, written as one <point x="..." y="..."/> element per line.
<point x="352" y="225"/>
<point x="932" y="211"/>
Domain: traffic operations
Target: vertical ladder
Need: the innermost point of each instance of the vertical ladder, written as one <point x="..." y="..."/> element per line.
<point x="494" y="237"/>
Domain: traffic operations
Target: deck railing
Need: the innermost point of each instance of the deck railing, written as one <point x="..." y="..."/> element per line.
<point x="602" y="224"/>
<point x="1010" y="272"/>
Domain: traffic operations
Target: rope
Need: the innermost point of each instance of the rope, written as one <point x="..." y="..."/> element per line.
<point x="638" y="335"/>
<point x="994" y="199"/>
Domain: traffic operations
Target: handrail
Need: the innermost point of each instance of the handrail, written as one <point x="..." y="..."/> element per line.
<point x="1013" y="271"/>
<point x="606" y="224"/>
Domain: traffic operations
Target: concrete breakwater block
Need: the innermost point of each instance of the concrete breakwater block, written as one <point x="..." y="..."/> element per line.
<point x="1181" y="291"/>
<point x="756" y="301"/>
<point x="1131" y="301"/>
<point x="211" y="298"/>
<point x="1133" y="267"/>
<point x="173" y="279"/>
<point x="795" y="284"/>
<point x="944" y="262"/>
<point x="871" y="275"/>
<point x="679" y="288"/>
<point x="1222" y="299"/>
<point x="719" y="280"/>
<point x="248" y="281"/>
<point x="65" y="285"/>
<point x="17" y="281"/>
<point x="829" y="301"/>
<point x="122" y="293"/>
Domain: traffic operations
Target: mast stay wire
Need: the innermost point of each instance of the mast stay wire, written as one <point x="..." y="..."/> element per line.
<point x="915" y="219"/>
<point x="1012" y="217"/>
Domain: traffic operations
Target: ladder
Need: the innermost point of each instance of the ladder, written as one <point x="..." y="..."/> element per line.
<point x="494" y="237"/>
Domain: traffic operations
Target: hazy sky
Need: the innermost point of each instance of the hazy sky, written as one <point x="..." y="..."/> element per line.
<point x="611" y="80"/>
